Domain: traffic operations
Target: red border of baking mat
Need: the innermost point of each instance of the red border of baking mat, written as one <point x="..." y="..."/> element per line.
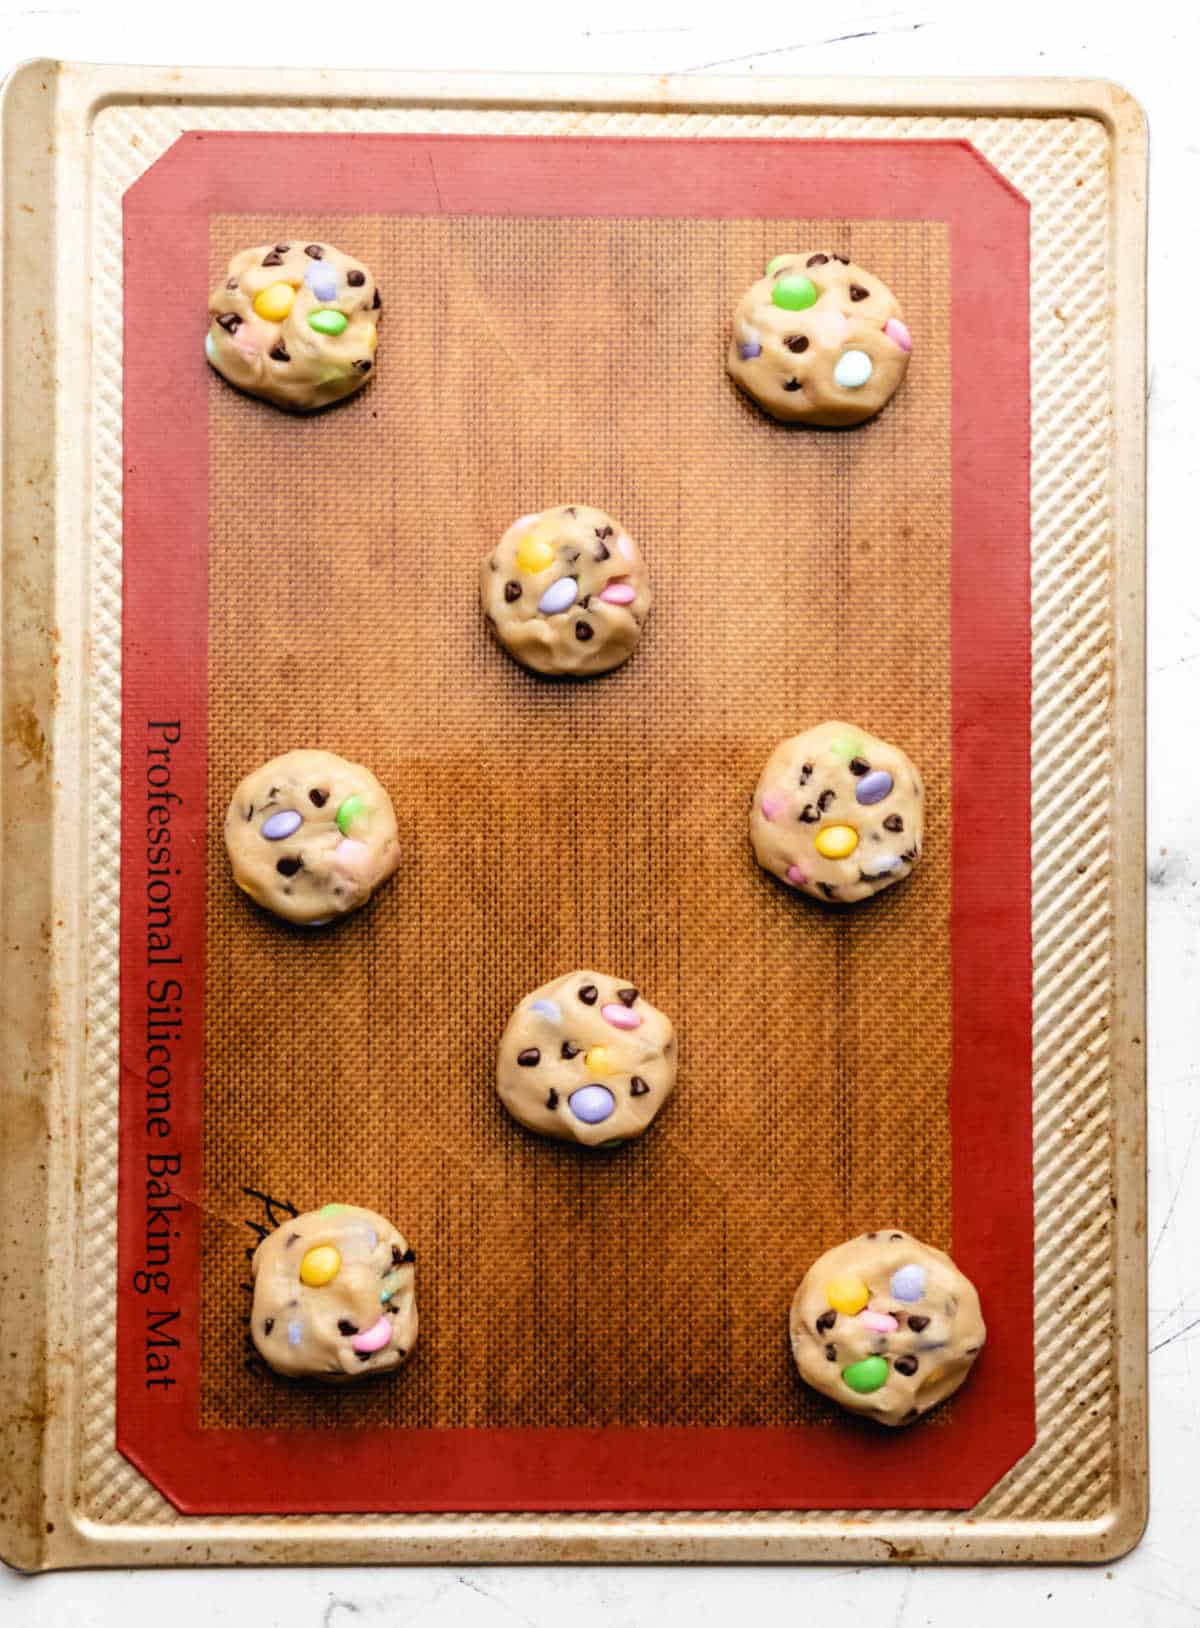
<point x="165" y="675"/>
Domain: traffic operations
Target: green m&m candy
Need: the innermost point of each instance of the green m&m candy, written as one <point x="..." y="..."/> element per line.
<point x="845" y="747"/>
<point x="794" y="292"/>
<point x="867" y="1375"/>
<point x="327" y="322"/>
<point x="352" y="808"/>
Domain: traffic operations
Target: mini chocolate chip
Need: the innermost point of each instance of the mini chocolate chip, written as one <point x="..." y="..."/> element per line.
<point x="792" y="384"/>
<point x="363" y="365"/>
<point x="603" y="531"/>
<point x="273" y="259"/>
<point x="824" y="800"/>
<point x="826" y="1321"/>
<point x="588" y="994"/>
<point x="858" y="292"/>
<point x="828" y="889"/>
<point x="797" y="343"/>
<point x="279" y="352"/>
<point x="570" y="1049"/>
<point x="356" y="278"/>
<point x="345" y="1326"/>
<point x="314" y="251"/>
<point x="911" y="854"/>
<point x="806" y="774"/>
<point x="363" y="1356"/>
<point x="859" y="765"/>
<point x="318" y="797"/>
<point x="896" y="1236"/>
<point x="289" y="867"/>
<point x="583" y="632"/>
<point x="572" y="554"/>
<point x="268" y="1325"/>
<point x="627" y="996"/>
<point x="638" y="1086"/>
<point x="913" y="1413"/>
<point x="571" y="509"/>
<point x="408" y="1257"/>
<point x="230" y="321"/>
<point x="918" y="1324"/>
<point x="376" y="302"/>
<point x="831" y="1352"/>
<point x="512" y="592"/>
<point x="970" y="1351"/>
<point x="552" y="1100"/>
<point x="530" y="1057"/>
<point x="817" y="260"/>
<point x="585" y="601"/>
<point x="841" y="259"/>
<point x="905" y="1365"/>
<point x="808" y="815"/>
<point x="603" y="552"/>
<point x="292" y="1238"/>
<point x="391" y="1308"/>
<point x="893" y="823"/>
<point x="232" y="283"/>
<point x="282" y="248"/>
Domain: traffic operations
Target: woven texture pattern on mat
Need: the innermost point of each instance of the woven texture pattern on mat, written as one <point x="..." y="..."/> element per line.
<point x="601" y="824"/>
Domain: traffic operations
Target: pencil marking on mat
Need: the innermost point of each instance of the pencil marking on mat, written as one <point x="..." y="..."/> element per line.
<point x="804" y="45"/>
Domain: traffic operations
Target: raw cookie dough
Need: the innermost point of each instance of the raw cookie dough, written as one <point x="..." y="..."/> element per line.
<point x="586" y="1059"/>
<point x="818" y="340"/>
<point x="886" y="1326"/>
<point x="566" y="591"/>
<point x="333" y="1295"/>
<point x="295" y="323"/>
<point x="311" y="836"/>
<point x="838" y="814"/>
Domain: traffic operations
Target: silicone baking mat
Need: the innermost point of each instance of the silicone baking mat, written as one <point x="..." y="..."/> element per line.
<point x="596" y="1333"/>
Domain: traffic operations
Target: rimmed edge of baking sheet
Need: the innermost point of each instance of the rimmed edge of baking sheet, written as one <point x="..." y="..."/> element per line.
<point x="49" y="112"/>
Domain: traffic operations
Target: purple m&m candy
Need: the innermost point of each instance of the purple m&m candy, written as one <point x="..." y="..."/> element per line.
<point x="750" y="350"/>
<point x="322" y="279"/>
<point x="873" y="788"/>
<point x="591" y="1103"/>
<point x="281" y="825"/>
<point x="908" y="1283"/>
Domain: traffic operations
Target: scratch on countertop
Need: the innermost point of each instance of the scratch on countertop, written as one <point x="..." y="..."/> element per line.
<point x="492" y="1599"/>
<point x="1178" y="1335"/>
<point x="337" y="1605"/>
<point x="1166" y="1220"/>
<point x="806" y="45"/>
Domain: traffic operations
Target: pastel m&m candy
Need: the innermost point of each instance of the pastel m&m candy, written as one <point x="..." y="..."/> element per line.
<point x="847" y="1294"/>
<point x="320" y="1266"/>
<point x="592" y="1103"/>
<point x="794" y="292"/>
<point x="534" y="554"/>
<point x="837" y="841"/>
<point x="908" y="1283"/>
<point x="327" y="322"/>
<point x="275" y="301"/>
<point x="866" y="1376"/>
<point x="351" y="808"/>
<point x="854" y="368"/>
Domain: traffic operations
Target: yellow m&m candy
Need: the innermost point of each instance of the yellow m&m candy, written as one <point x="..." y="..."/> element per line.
<point x="534" y="553"/>
<point x="320" y="1266"/>
<point x="848" y="1295"/>
<point x="837" y="841"/>
<point x="596" y="1060"/>
<point x="275" y="301"/>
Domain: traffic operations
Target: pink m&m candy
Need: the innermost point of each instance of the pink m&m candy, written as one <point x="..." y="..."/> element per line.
<point x="619" y="593"/>
<point x="772" y="802"/>
<point x="373" y="1338"/>
<point x="898" y="333"/>
<point x="879" y="1321"/>
<point x="621" y="1017"/>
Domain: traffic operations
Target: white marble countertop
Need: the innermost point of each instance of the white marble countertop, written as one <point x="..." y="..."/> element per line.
<point x="1152" y="49"/>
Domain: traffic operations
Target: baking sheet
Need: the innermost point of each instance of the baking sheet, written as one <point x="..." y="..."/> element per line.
<point x="731" y="1526"/>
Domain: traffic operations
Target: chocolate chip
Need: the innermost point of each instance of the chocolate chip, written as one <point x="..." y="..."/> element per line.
<point x="231" y="284"/>
<point x="638" y="1086"/>
<point x="858" y="292"/>
<point x="797" y="343"/>
<point x="314" y="251"/>
<point x="896" y="1236"/>
<point x="911" y="854"/>
<point x="831" y="1352"/>
<point x="806" y="774"/>
<point x="824" y="800"/>
<point x="585" y="601"/>
<point x="356" y="278"/>
<point x="552" y="1100"/>
<point x="570" y="509"/>
<point x="627" y="996"/>
<point x="289" y="867"/>
<point x="603" y="531"/>
<point x="345" y="1326"/>
<point x="808" y="815"/>
<point x="841" y="259"/>
<point x="292" y="1238"/>
<point x="828" y="889"/>
<point x="318" y="797"/>
<point x="570" y="1049"/>
<point x="530" y="1057"/>
<point x="376" y="302"/>
<point x="363" y="365"/>
<point x="583" y="632"/>
<point x="817" y="260"/>
<point x="512" y="592"/>
<point x="859" y="765"/>
<point x="268" y="1325"/>
<point x="893" y="823"/>
<point x="792" y="384"/>
<point x="826" y="1321"/>
<point x="905" y="1365"/>
<point x="272" y="259"/>
<point x="572" y="555"/>
<point x="913" y="1413"/>
<point x="363" y="1356"/>
<point x="230" y="321"/>
<point x="918" y="1324"/>
<point x="282" y="248"/>
<point x="603" y="552"/>
<point x="588" y="994"/>
<point x="403" y="1257"/>
<point x="279" y="352"/>
<point x="970" y="1351"/>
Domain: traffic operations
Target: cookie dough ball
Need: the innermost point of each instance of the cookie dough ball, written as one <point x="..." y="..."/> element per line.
<point x="295" y="323"/>
<point x="333" y="1296"/>
<point x="566" y="591"/>
<point x="586" y="1059"/>
<point x="311" y="836"/>
<point x="818" y="340"/>
<point x="886" y="1326"/>
<point x="838" y="814"/>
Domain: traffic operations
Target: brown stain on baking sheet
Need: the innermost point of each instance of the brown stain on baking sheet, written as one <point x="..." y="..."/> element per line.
<point x="547" y="826"/>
